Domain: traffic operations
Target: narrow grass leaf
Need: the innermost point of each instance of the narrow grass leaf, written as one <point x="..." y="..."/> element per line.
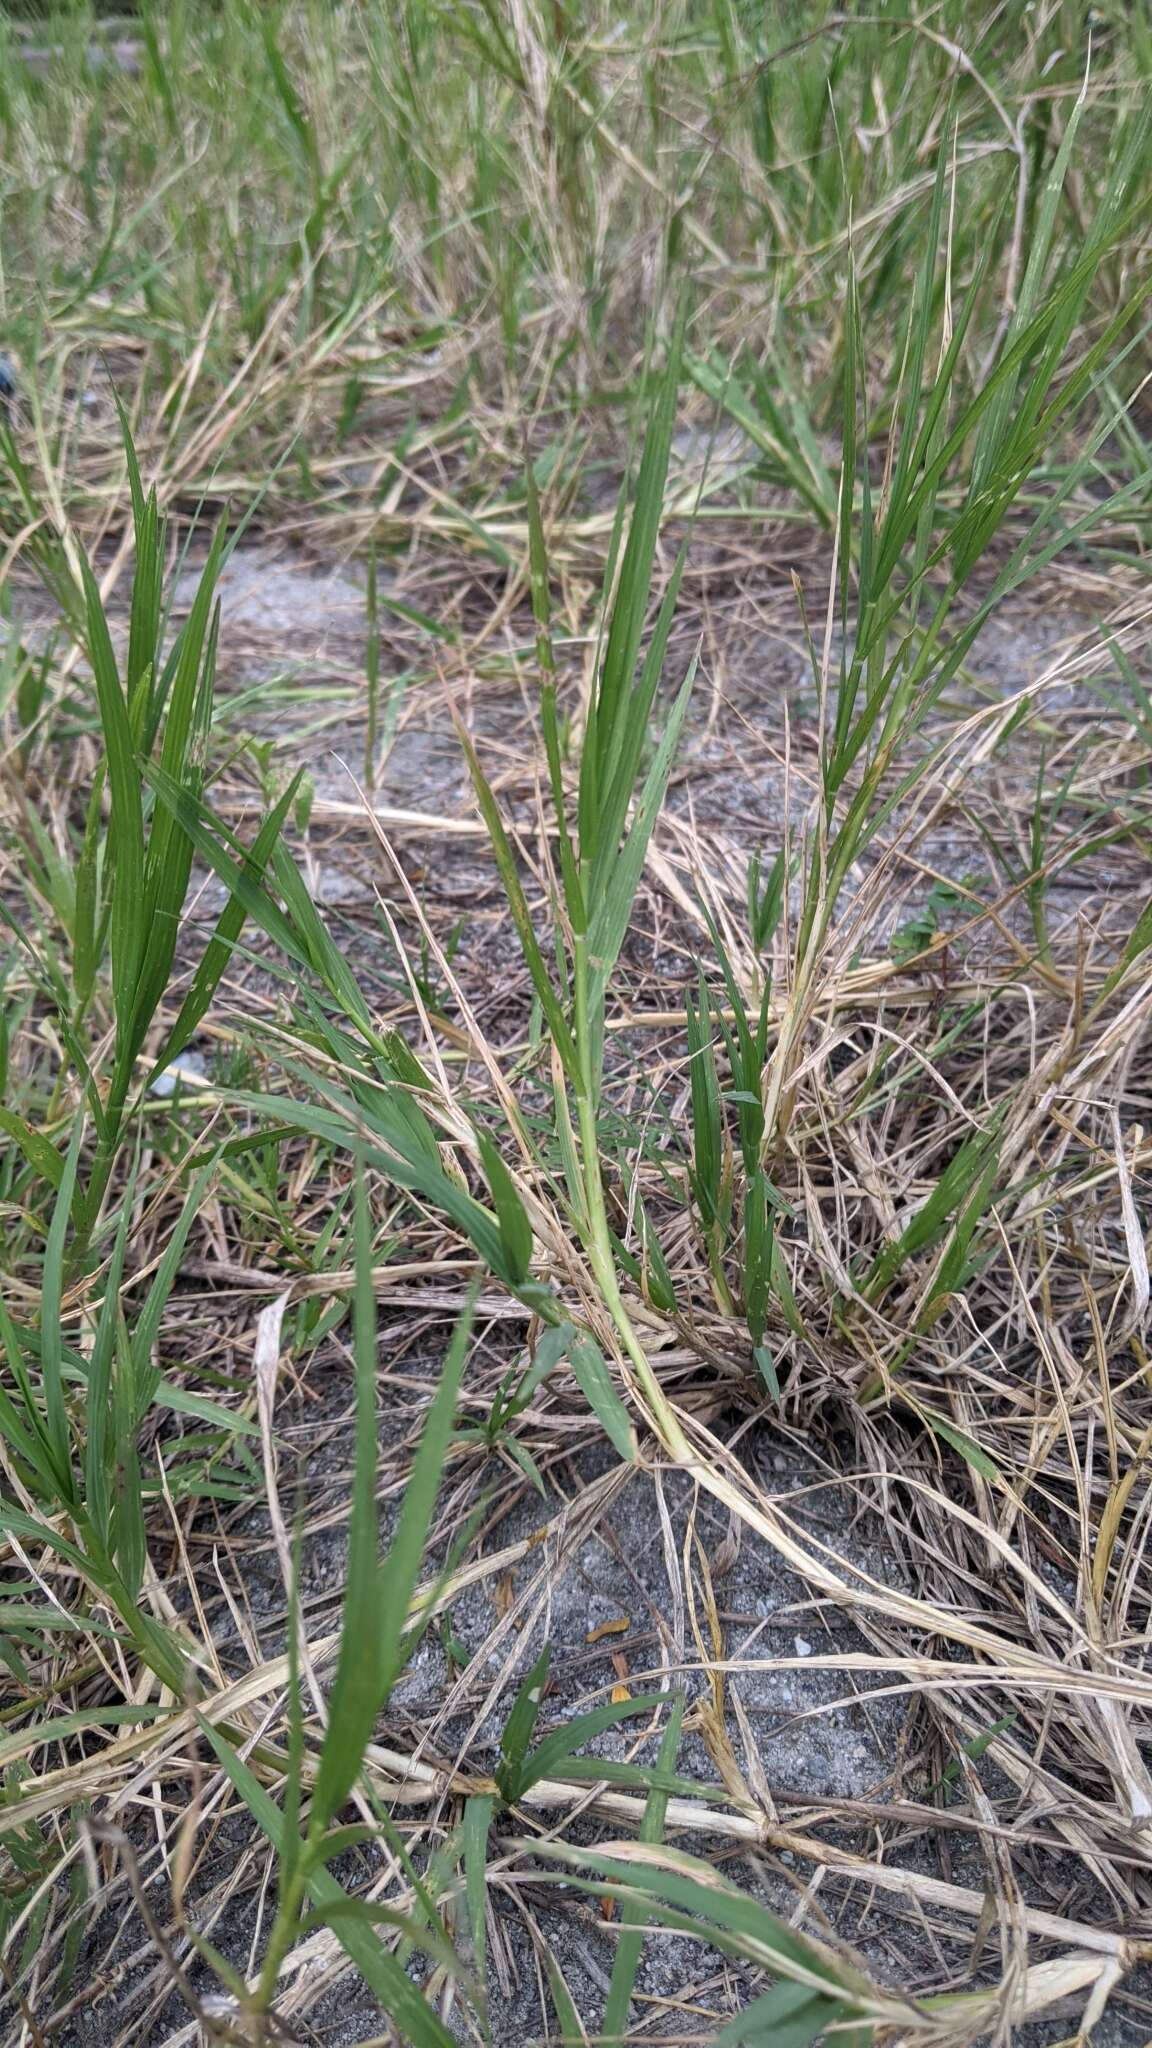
<point x="703" y="1901"/>
<point x="572" y="2034"/>
<point x="518" y="1730"/>
<point x="358" y="1688"/>
<point x="551" y="1755"/>
<point x="127" y="826"/>
<point x="229" y="925"/>
<point x="518" y="906"/>
<point x="631" y="601"/>
<point x="631" y="1941"/>
<point x="610" y="918"/>
<point x="402" y="1568"/>
<point x="380" y="1970"/>
<point x="511" y="1215"/>
<point x="765" y="429"/>
<point x="958" y="1440"/>
<point x="146" y="1323"/>
<point x="51" y="1317"/>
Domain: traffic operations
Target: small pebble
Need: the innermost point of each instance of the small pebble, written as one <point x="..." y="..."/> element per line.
<point x="803" y="1647"/>
<point x="188" y="1072"/>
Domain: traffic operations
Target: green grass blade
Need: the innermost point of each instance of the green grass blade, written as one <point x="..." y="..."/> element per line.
<point x="765" y="429"/>
<point x="631" y="1941"/>
<point x="378" y="1597"/>
<point x="594" y="1379"/>
<point x="51" y="1317"/>
<point x="511" y="1215"/>
<point x="38" y="1150"/>
<point x="358" y="1688"/>
<point x="229" y="925"/>
<point x="518" y="1730"/>
<point x="707" y="1125"/>
<point x="381" y="1971"/>
<point x="995" y="424"/>
<point x="618" y="784"/>
<point x="613" y="909"/>
<point x="129" y="1537"/>
<point x="572" y="2034"/>
<point x="631" y="601"/>
<point x="551" y="1755"/>
<point x="22" y="1423"/>
<point x="388" y="1146"/>
<point x="128" y="927"/>
<point x="404" y="1564"/>
<point x="699" y="1899"/>
<point x="99" y="1448"/>
<point x="147" y="585"/>
<point x="146" y="1323"/>
<point x="474" y="1828"/>
<point x="521" y="915"/>
<point x="788" y="2016"/>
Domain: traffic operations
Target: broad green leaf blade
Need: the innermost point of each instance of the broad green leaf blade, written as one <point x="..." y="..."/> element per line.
<point x="39" y="1151"/>
<point x="594" y="1378"/>
<point x="551" y="1754"/>
<point x="520" y="1726"/>
<point x="788" y="2016"/>
<point x="474" y="1828"/>
<point x="511" y="1215"/>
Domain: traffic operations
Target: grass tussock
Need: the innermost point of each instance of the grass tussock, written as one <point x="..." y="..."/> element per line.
<point x="751" y="1066"/>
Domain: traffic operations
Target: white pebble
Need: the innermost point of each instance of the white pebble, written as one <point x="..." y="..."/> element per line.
<point x="187" y="1072"/>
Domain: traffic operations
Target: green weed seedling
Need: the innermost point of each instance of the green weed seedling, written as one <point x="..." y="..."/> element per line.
<point x="381" y="1628"/>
